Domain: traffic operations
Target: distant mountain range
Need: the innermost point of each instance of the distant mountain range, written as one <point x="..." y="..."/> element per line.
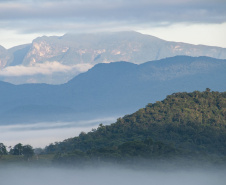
<point x="56" y="60"/>
<point x="110" y="89"/>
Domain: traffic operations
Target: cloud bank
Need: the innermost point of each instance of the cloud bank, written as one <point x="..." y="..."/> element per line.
<point x="30" y="16"/>
<point x="44" y="133"/>
<point x="46" y="68"/>
<point x="112" y="175"/>
<point x="23" y="20"/>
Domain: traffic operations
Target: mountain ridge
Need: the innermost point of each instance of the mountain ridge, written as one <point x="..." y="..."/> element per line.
<point x="90" y="49"/>
<point x="117" y="88"/>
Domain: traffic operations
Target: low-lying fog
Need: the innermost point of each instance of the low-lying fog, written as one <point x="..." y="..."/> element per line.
<point x="109" y="176"/>
<point x="42" y="134"/>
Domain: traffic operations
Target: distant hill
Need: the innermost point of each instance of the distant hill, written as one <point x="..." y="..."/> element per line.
<point x="88" y="50"/>
<point x="110" y="89"/>
<point x="183" y="124"/>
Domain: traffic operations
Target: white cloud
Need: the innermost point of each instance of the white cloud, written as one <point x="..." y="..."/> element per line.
<point x="46" y="68"/>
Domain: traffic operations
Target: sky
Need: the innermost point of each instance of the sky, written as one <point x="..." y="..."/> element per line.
<point x="190" y="21"/>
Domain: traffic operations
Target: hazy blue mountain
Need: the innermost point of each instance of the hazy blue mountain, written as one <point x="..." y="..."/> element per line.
<point x="4" y="56"/>
<point x="18" y="54"/>
<point x="111" y="89"/>
<point x="91" y="49"/>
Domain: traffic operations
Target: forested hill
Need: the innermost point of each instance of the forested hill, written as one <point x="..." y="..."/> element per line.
<point x="182" y="123"/>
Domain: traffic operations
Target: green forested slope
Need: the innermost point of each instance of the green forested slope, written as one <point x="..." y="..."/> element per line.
<point x="181" y="124"/>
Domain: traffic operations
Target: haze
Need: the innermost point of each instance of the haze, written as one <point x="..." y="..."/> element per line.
<point x="110" y="176"/>
<point x="42" y="134"/>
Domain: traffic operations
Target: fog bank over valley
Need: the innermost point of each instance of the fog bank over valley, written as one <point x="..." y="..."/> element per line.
<point x="110" y="176"/>
<point x="44" y="133"/>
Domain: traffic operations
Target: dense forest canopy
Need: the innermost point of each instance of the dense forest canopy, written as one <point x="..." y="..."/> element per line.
<point x="182" y="124"/>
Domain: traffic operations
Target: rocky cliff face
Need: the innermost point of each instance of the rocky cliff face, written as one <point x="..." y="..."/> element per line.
<point x="111" y="47"/>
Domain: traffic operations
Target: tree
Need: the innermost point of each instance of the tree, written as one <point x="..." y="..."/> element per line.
<point x="28" y="151"/>
<point x="17" y="149"/>
<point x="208" y="90"/>
<point x="3" y="150"/>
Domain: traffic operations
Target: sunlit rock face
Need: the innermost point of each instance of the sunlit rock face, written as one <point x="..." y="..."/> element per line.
<point x="110" y="47"/>
<point x="91" y="49"/>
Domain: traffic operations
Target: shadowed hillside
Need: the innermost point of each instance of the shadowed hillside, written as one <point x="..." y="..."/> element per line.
<point x="110" y="89"/>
